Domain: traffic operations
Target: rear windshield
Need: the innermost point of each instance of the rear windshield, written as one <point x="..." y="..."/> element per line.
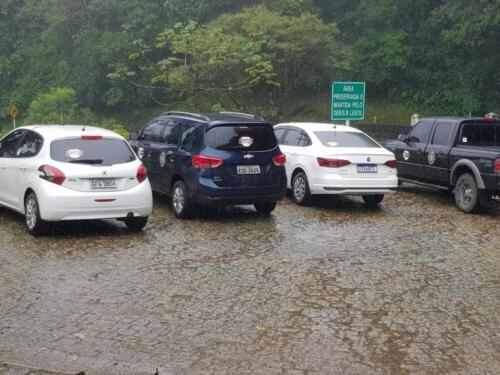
<point x="346" y="139"/>
<point x="480" y="134"/>
<point x="241" y="138"/>
<point x="83" y="151"/>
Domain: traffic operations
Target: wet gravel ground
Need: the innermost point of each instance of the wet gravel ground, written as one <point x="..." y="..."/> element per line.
<point x="334" y="288"/>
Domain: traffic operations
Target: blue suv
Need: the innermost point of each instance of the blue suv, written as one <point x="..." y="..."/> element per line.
<point x="214" y="159"/>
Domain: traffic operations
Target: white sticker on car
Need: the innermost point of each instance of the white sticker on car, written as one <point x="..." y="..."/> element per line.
<point x="74" y="153"/>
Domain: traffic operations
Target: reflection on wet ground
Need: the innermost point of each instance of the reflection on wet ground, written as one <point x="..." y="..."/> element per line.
<point x="411" y="287"/>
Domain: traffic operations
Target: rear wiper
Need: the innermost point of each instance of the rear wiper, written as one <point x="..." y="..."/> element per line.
<point x="87" y="161"/>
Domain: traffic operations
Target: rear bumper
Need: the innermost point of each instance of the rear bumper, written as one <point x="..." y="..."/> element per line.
<point x="336" y="184"/>
<point x="209" y="193"/>
<point x="59" y="203"/>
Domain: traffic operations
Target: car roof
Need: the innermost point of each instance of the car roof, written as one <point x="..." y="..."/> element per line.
<point x="219" y="118"/>
<point x="317" y="126"/>
<point x="68" y="131"/>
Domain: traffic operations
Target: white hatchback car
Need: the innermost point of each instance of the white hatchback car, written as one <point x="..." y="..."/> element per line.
<point x="55" y="173"/>
<point x="335" y="159"/>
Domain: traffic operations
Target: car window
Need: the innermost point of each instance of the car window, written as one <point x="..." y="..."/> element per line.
<point x="171" y="133"/>
<point x="9" y="145"/>
<point x="191" y="138"/>
<point x="442" y="133"/>
<point x="346" y="139"/>
<point x="279" y="134"/>
<point x="240" y="137"/>
<point x="30" y="146"/>
<point x="92" y="152"/>
<point x="304" y="139"/>
<point x="420" y="132"/>
<point x="153" y="132"/>
<point x="480" y="135"/>
<point x="292" y="138"/>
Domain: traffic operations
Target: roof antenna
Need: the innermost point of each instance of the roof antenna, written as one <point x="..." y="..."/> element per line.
<point x="83" y="129"/>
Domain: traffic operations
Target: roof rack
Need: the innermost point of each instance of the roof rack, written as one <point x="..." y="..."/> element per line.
<point x="243" y="114"/>
<point x="187" y="114"/>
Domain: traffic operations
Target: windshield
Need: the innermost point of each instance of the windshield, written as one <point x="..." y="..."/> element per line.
<point x="346" y="139"/>
<point x="241" y="137"/>
<point x="92" y="152"/>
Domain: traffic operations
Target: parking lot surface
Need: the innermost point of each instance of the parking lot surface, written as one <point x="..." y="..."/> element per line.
<point x="334" y="288"/>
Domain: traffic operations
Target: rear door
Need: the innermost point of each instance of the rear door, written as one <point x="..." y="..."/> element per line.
<point x="164" y="154"/>
<point x="149" y="143"/>
<point x="8" y="167"/>
<point x="436" y="160"/>
<point x="247" y="151"/>
<point x="411" y="154"/>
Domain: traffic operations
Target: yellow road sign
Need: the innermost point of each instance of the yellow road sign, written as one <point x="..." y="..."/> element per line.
<point x="14" y="112"/>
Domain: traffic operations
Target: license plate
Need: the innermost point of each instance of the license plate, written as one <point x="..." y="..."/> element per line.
<point x="367" y="168"/>
<point x="103" y="183"/>
<point x="248" y="169"/>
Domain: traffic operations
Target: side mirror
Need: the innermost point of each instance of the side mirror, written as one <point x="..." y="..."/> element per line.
<point x="403" y="138"/>
<point x="134" y="136"/>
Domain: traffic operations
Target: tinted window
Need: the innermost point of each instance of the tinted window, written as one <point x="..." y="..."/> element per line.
<point x="103" y="151"/>
<point x="30" y="146"/>
<point x="241" y="137"/>
<point x="192" y="138"/>
<point x="480" y="135"/>
<point x="292" y="138"/>
<point x="171" y="134"/>
<point x="442" y="133"/>
<point x="279" y="134"/>
<point x="345" y="139"/>
<point x="304" y="140"/>
<point x="9" y="145"/>
<point x="153" y="132"/>
<point x="420" y="132"/>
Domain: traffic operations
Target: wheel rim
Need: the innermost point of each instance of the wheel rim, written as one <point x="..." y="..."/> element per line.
<point x="178" y="200"/>
<point x="299" y="188"/>
<point x="31" y="213"/>
<point x="467" y="194"/>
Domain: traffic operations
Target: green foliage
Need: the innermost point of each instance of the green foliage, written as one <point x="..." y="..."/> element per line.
<point x="58" y="105"/>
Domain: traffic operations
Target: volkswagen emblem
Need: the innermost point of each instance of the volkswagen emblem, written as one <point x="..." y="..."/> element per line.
<point x="368" y="159"/>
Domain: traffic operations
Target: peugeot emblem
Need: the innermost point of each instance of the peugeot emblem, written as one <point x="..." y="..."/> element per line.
<point x="248" y="156"/>
<point x="104" y="173"/>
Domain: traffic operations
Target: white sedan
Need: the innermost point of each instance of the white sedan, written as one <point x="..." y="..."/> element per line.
<point x="55" y="173"/>
<point x="335" y="159"/>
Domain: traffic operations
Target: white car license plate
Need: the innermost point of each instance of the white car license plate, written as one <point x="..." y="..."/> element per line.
<point x="248" y="169"/>
<point x="367" y="168"/>
<point x="103" y="183"/>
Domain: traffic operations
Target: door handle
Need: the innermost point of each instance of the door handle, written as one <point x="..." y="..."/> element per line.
<point x="22" y="168"/>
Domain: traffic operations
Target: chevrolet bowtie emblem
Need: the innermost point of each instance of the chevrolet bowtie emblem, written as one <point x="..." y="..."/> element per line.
<point x="248" y="156"/>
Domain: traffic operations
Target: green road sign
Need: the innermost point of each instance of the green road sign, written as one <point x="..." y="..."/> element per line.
<point x="348" y="101"/>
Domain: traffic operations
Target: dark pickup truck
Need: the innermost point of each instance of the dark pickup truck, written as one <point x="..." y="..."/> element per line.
<point x="458" y="154"/>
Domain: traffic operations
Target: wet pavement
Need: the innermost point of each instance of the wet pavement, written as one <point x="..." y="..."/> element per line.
<point x="334" y="288"/>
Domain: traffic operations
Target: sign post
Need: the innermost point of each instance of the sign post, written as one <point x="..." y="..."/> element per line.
<point x="348" y="101"/>
<point x="14" y="112"/>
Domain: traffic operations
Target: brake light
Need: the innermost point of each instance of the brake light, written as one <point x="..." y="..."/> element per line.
<point x="496" y="169"/>
<point x="52" y="174"/>
<point x="332" y="163"/>
<point x="92" y="137"/>
<point x="392" y="163"/>
<point x="279" y="160"/>
<point x="142" y="174"/>
<point x="202" y="161"/>
<point x="489" y="119"/>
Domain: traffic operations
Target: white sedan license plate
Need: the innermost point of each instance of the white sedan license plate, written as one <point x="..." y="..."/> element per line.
<point x="248" y="169"/>
<point x="367" y="168"/>
<point x="103" y="183"/>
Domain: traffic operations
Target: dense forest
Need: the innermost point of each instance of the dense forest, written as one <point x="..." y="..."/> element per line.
<point x="120" y="61"/>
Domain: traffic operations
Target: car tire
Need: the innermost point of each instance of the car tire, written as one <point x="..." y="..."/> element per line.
<point x="466" y="193"/>
<point x="136" y="224"/>
<point x="300" y="189"/>
<point x="36" y="226"/>
<point x="373" y="200"/>
<point x="181" y="205"/>
<point x="265" y="208"/>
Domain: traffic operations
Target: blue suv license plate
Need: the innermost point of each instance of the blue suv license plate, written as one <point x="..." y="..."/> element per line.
<point x="367" y="168"/>
<point x="248" y="169"/>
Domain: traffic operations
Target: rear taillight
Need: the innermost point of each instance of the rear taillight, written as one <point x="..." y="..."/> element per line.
<point x="392" y="163"/>
<point x="92" y="137"/>
<point x="52" y="174"/>
<point x="202" y="161"/>
<point x="279" y="160"/>
<point x="496" y="168"/>
<point x="332" y="163"/>
<point x="142" y="174"/>
<point x="489" y="119"/>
